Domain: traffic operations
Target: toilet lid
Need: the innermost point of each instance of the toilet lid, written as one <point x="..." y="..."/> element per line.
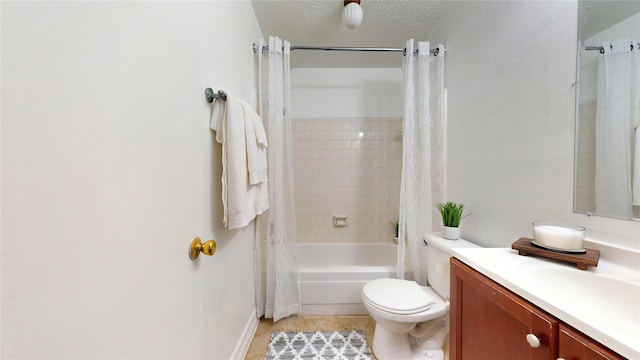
<point x="397" y="296"/>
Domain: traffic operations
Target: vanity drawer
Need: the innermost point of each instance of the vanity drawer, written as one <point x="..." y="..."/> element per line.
<point x="576" y="346"/>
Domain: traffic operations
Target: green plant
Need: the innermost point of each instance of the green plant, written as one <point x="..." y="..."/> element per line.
<point x="451" y="213"/>
<point x="396" y="226"/>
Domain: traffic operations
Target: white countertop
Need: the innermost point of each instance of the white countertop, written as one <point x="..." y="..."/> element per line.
<point x="588" y="300"/>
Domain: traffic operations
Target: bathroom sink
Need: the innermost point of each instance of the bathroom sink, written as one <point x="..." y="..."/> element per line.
<point x="599" y="294"/>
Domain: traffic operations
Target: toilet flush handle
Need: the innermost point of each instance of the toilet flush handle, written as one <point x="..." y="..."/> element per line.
<point x="533" y="341"/>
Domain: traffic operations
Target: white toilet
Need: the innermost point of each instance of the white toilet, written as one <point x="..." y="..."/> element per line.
<point x="412" y="320"/>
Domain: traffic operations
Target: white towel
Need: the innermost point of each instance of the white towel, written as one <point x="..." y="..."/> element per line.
<point x="256" y="140"/>
<point x="238" y="128"/>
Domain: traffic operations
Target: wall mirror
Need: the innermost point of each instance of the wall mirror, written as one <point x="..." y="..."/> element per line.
<point x="607" y="169"/>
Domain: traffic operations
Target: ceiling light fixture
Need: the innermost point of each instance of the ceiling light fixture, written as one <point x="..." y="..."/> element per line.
<point x="352" y="13"/>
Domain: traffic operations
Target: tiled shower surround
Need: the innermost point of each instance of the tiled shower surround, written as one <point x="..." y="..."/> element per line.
<point x="347" y="166"/>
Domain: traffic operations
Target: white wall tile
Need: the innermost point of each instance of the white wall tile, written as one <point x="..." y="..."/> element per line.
<point x="347" y="166"/>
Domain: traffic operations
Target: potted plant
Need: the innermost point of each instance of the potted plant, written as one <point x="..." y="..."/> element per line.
<point x="396" y="228"/>
<point x="451" y="214"/>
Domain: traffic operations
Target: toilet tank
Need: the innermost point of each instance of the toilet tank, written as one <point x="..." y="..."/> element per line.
<point x="438" y="254"/>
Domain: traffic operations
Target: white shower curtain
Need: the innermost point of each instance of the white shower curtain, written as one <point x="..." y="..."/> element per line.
<point x="422" y="154"/>
<point x="617" y="94"/>
<point x="276" y="228"/>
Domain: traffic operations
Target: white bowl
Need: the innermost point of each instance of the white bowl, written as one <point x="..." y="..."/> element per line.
<point x="558" y="236"/>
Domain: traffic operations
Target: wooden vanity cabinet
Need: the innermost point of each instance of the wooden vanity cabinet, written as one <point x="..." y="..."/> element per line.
<point x="576" y="346"/>
<point x="490" y="322"/>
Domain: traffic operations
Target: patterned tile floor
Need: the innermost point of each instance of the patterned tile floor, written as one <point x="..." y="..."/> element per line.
<point x="258" y="346"/>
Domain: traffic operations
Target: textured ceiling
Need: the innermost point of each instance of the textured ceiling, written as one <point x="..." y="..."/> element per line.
<point x="386" y="23"/>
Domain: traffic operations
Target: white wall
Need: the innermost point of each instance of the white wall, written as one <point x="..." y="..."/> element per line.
<point x="109" y="169"/>
<point x="511" y="119"/>
<point x="346" y="93"/>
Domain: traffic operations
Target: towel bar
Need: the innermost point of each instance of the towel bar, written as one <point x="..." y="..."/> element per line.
<point x="210" y="95"/>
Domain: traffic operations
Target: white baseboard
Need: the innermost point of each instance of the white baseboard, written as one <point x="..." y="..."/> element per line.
<point x="245" y="338"/>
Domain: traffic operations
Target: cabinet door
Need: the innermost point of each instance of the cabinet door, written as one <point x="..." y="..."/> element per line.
<point x="576" y="346"/>
<point x="490" y="322"/>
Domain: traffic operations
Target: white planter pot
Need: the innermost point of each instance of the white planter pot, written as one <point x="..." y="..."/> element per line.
<point x="451" y="233"/>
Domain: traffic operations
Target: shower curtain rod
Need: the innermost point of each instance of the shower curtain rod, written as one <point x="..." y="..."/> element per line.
<point x="601" y="49"/>
<point x="434" y="51"/>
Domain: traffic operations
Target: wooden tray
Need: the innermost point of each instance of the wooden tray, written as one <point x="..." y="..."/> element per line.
<point x="590" y="258"/>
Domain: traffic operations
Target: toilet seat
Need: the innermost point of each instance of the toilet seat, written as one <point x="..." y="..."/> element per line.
<point x="397" y="296"/>
<point x="440" y="307"/>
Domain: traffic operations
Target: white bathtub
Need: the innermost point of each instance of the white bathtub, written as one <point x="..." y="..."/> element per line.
<point x="332" y="275"/>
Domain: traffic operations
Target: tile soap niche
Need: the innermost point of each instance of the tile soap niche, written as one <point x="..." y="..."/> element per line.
<point x="340" y="220"/>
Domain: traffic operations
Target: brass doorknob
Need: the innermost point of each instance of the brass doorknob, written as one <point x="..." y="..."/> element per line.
<point x="208" y="248"/>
